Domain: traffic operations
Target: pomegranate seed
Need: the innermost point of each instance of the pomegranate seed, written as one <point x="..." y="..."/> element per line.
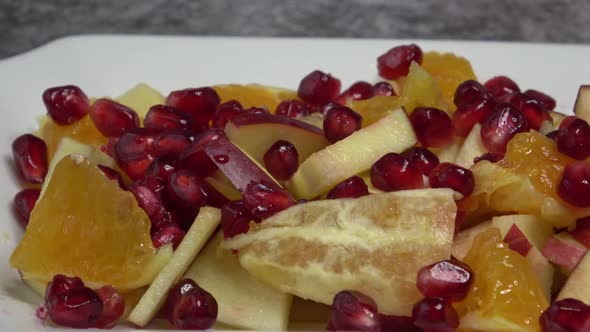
<point x="466" y="116"/>
<point x="162" y="168"/>
<point x="360" y="90"/>
<point x="190" y="307"/>
<point x="500" y="86"/>
<point x="113" y="306"/>
<point x="546" y="101"/>
<point x="41" y="312"/>
<point x="491" y="157"/>
<point x="77" y="307"/>
<point x="195" y="158"/>
<point x="318" y="88"/>
<point x="382" y="89"/>
<point x="500" y="126"/>
<point x="566" y="121"/>
<point x="447" y="175"/>
<point x="394" y="172"/>
<point x="185" y="188"/>
<point x="235" y="219"/>
<point x="153" y="183"/>
<point x="422" y="159"/>
<point x="134" y="153"/>
<point x="264" y="199"/>
<point x="65" y="104"/>
<point x="199" y="103"/>
<point x="30" y="156"/>
<point x="164" y="118"/>
<point x="354" y="311"/>
<point x="341" y="122"/>
<point x="567" y="315"/>
<point x="553" y="135"/>
<point x="281" y="160"/>
<point x="24" y="202"/>
<point x="535" y="115"/>
<point x="435" y="314"/>
<point x="574" y="139"/>
<point x="398" y="324"/>
<point x="168" y="234"/>
<point x="111" y="118"/>
<point x="109" y="148"/>
<point x="352" y="187"/>
<point x="162" y="219"/>
<point x="447" y="279"/>
<point x="433" y="127"/>
<point x="292" y="108"/>
<point x="146" y="199"/>
<point x="574" y="187"/>
<point x="112" y="174"/>
<point x="170" y="144"/>
<point x="60" y="284"/>
<point x="396" y="62"/>
<point x="225" y="112"/>
<point x="470" y="92"/>
<point x="257" y="110"/>
<point x="323" y="109"/>
<point x="582" y="231"/>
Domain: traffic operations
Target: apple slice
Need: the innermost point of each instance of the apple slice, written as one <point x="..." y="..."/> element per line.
<point x="582" y="107"/>
<point x="223" y="185"/>
<point x="352" y="155"/>
<point x="205" y="224"/>
<point x="557" y="118"/>
<point x="472" y="148"/>
<point x="564" y="250"/>
<point x="243" y="301"/>
<point x="140" y="98"/>
<point x="449" y="153"/>
<point x="255" y="133"/>
<point x="576" y="286"/>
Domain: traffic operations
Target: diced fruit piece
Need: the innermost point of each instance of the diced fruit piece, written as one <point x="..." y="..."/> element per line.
<point x="170" y="144"/>
<point x="582" y="231"/>
<point x="168" y="234"/>
<point x="422" y="159"/>
<point x="447" y="279"/>
<point x="224" y="186"/>
<point x="200" y="103"/>
<point x="360" y="90"/>
<point x="281" y="160"/>
<point x="163" y="118"/>
<point x="113" y="306"/>
<point x="449" y="153"/>
<point x="243" y="301"/>
<point x="469" y="92"/>
<point x="373" y="109"/>
<point x="500" y="126"/>
<point x="563" y="250"/>
<point x="235" y="219"/>
<point x="318" y="88"/>
<point x="435" y="314"/>
<point x="466" y="116"/>
<point x="59" y="284"/>
<point x="134" y="152"/>
<point x="432" y="127"/>
<point x="573" y="139"/>
<point x="352" y="187"/>
<point x="140" y="98"/>
<point x="24" y="202"/>
<point x="292" y="108"/>
<point x="30" y="157"/>
<point x="341" y="122"/>
<point x="96" y="222"/>
<point x="195" y="158"/>
<point x="582" y="106"/>
<point x="225" y="112"/>
<point x="536" y="116"/>
<point x="383" y="89"/>
<point x="574" y="186"/>
<point x="448" y="175"/>
<point x="254" y="95"/>
<point x="266" y="198"/>
<point x="576" y="285"/>
<point x="190" y="307"/>
<point x="65" y="104"/>
<point x="506" y="294"/>
<point x="543" y="99"/>
<point x="77" y="307"/>
<point x="566" y="315"/>
<point x="352" y="155"/>
<point x="323" y="233"/>
<point x="396" y="62"/>
<point x="500" y="86"/>
<point x="472" y="148"/>
<point x="256" y="133"/>
<point x="354" y="311"/>
<point x="194" y="240"/>
<point x="184" y="188"/>
<point x="111" y="118"/>
<point x="394" y="172"/>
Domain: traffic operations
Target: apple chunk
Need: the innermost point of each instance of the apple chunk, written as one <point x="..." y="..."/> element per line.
<point x="140" y="98"/>
<point x="243" y="301"/>
<point x="564" y="250"/>
<point x="582" y="107"/>
<point x="472" y="148"/>
<point x="576" y="286"/>
<point x="194" y="240"/>
<point x="352" y="155"/>
<point x="255" y="133"/>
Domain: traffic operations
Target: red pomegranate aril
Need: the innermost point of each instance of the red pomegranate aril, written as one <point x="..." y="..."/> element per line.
<point x="111" y="118"/>
<point x="553" y="135"/>
<point x="162" y="219"/>
<point x="77" y="307"/>
<point x="281" y="160"/>
<point x="352" y="187"/>
<point x="109" y="147"/>
<point x="535" y="115"/>
<point x="199" y="103"/>
<point x="60" y="284"/>
<point x="292" y="108"/>
<point x="24" y="202"/>
<point x="170" y="144"/>
<point x="66" y="104"/>
<point x="162" y="168"/>
<point x="435" y="314"/>
<point x="30" y="156"/>
<point x="113" y="306"/>
<point x="432" y="126"/>
<point x="566" y="121"/>
<point x="41" y="312"/>
<point x="466" y="116"/>
<point x="500" y="126"/>
<point x="447" y="279"/>
<point x="422" y="159"/>
<point x="574" y="139"/>
<point x="360" y="90"/>
<point x="146" y="199"/>
<point x="500" y="86"/>
<point x="164" y="118"/>
<point x="574" y="187"/>
<point x="448" y="175"/>
<point x="354" y="311"/>
<point x="190" y="307"/>
<point x="491" y="157"/>
<point x="318" y="88"/>
<point x="235" y="219"/>
<point x="154" y="183"/>
<point x="517" y="99"/>
<point x="470" y="92"/>
<point x="184" y="188"/>
<point x="168" y="234"/>
<point x="257" y="110"/>
<point x="264" y="199"/>
<point x="396" y="62"/>
<point x="134" y="153"/>
<point x="112" y="174"/>
<point x="195" y="158"/>
<point x="394" y="172"/>
<point x="567" y="315"/>
<point x="545" y="100"/>
<point x="382" y="89"/>
<point x="341" y="122"/>
<point x="225" y="112"/>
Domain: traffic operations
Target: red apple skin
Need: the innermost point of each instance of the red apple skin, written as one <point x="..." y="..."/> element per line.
<point x="235" y="164"/>
<point x="517" y="241"/>
<point x="562" y="249"/>
<point x="258" y="118"/>
<point x="582" y="105"/>
<point x="582" y="231"/>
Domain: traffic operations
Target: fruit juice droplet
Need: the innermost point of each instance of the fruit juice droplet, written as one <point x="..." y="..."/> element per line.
<point x="221" y="158"/>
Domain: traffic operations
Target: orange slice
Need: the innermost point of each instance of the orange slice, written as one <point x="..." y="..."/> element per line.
<point x="257" y="95"/>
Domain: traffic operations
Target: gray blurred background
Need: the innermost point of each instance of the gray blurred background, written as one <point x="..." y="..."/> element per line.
<point x="26" y="24"/>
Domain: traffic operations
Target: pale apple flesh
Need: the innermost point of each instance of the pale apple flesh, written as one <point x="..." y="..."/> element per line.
<point x="576" y="286"/>
<point x="140" y="98"/>
<point x="472" y="147"/>
<point x="582" y="106"/>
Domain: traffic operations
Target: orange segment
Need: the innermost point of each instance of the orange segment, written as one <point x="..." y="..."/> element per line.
<point x="506" y="295"/>
<point x="86" y="226"/>
<point x="448" y="70"/>
<point x="250" y="95"/>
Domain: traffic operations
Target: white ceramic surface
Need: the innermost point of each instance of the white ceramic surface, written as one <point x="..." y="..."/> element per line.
<point x="109" y="65"/>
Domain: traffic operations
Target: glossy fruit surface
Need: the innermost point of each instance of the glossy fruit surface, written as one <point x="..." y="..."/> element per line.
<point x="393" y="172"/>
<point x="354" y="311"/>
<point x="190" y="307"/>
<point x="30" y="157"/>
<point x="66" y="104"/>
<point x="396" y="62"/>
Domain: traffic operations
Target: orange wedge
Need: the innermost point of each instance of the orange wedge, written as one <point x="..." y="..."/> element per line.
<point x="254" y="95"/>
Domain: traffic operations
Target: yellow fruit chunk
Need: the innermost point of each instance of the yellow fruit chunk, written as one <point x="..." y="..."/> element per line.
<point x="373" y="244"/>
<point x="506" y="294"/>
<point x="375" y="108"/>
<point x="448" y="70"/>
<point x="140" y="98"/>
<point x="251" y="95"/>
<point x="86" y="226"/>
<point x="82" y="131"/>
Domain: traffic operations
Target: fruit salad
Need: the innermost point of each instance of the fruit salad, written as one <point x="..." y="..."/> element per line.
<point x="430" y="200"/>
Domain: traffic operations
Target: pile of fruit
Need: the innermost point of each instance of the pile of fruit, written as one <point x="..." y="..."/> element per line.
<point x="424" y="202"/>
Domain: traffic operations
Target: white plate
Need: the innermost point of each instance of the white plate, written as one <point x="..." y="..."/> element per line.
<point x="109" y="65"/>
